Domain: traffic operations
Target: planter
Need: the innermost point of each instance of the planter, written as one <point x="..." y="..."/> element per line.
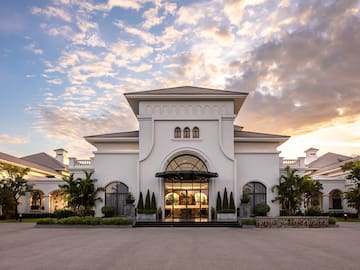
<point x="146" y="217"/>
<point x="245" y="210"/>
<point x="226" y="216"/>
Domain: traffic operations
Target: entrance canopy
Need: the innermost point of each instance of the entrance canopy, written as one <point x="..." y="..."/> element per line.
<point x="186" y="175"/>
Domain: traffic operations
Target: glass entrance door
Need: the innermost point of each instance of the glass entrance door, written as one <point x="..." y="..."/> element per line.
<point x="186" y="200"/>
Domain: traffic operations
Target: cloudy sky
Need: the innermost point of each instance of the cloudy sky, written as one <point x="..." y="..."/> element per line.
<point x="65" y="64"/>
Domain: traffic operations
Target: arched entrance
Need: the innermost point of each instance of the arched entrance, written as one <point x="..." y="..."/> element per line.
<point x="186" y="189"/>
<point x="56" y="201"/>
<point x="37" y="200"/>
<point x="115" y="196"/>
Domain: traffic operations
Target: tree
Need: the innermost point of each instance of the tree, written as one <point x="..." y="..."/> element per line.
<point x="153" y="201"/>
<point x="232" y="203"/>
<point x="225" y="200"/>
<point x="81" y="194"/>
<point x="353" y="195"/>
<point x="140" y="204"/>
<point x="12" y="187"/>
<point x="293" y="189"/>
<point x="218" y="202"/>
<point x="147" y="200"/>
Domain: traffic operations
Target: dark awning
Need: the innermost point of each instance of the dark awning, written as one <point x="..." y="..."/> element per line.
<point x="186" y="175"/>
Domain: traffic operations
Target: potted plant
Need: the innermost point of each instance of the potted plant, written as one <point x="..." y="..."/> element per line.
<point x="245" y="206"/>
<point x="228" y="211"/>
<point x="130" y="198"/>
<point x="261" y="209"/>
<point x="147" y="213"/>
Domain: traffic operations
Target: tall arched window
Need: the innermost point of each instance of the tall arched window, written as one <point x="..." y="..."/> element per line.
<point x="186" y="133"/>
<point x="177" y="132"/>
<point x="257" y="194"/>
<point x="115" y="196"/>
<point x="335" y="199"/>
<point x="196" y="132"/>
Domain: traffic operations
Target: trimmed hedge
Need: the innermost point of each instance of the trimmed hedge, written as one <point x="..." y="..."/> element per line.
<point x="86" y="221"/>
<point x="248" y="221"/>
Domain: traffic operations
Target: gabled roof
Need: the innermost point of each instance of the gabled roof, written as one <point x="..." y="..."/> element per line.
<point x="335" y="168"/>
<point x="327" y="160"/>
<point x="185" y="93"/>
<point x="128" y="136"/>
<point x="9" y="159"/>
<point x="185" y="90"/>
<point x="44" y="159"/>
<point x="241" y="135"/>
<point x="116" y="135"/>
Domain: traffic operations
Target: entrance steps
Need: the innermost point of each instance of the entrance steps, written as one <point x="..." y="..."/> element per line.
<point x="187" y="224"/>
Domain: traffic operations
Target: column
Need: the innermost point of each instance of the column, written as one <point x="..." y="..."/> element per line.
<point x="46" y="203"/>
<point x="325" y="203"/>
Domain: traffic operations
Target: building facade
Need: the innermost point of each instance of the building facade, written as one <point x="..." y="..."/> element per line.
<point x="187" y="149"/>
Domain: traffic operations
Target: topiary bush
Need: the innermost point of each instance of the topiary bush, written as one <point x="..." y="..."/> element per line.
<point x="332" y="221"/>
<point x="261" y="209"/>
<point x="108" y="211"/>
<point x="218" y="202"/>
<point x="225" y="200"/>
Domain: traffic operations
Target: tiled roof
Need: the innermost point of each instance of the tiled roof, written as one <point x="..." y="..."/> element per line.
<point x="44" y="159"/>
<point x="327" y="160"/>
<point x="127" y="134"/>
<point x="24" y="163"/>
<point x="248" y="134"/>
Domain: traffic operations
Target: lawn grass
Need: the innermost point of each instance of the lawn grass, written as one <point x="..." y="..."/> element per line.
<point x="341" y="219"/>
<point x="25" y="220"/>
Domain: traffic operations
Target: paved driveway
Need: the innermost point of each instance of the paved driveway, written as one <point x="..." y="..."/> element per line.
<point x="24" y="247"/>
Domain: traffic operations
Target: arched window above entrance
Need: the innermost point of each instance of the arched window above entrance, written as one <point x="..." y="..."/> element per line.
<point x="177" y="133"/>
<point x="186" y="133"/>
<point x="186" y="163"/>
<point x="196" y="133"/>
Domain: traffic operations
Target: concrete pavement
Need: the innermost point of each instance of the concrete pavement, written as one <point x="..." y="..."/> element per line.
<point x="22" y="246"/>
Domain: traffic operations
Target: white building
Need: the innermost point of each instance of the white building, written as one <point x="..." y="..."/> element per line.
<point x="327" y="170"/>
<point x="187" y="149"/>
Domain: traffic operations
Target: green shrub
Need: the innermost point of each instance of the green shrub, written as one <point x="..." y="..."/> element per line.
<point x="63" y="213"/>
<point x="261" y="209"/>
<point x="248" y="221"/>
<point x="332" y="221"/>
<point x="313" y="211"/>
<point x="228" y="210"/>
<point x="146" y="211"/>
<point x="108" y="210"/>
<point x="46" y="221"/>
<point x="116" y="221"/>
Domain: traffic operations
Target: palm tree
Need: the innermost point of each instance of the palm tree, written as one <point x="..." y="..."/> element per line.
<point x="290" y="191"/>
<point x="81" y="194"/>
